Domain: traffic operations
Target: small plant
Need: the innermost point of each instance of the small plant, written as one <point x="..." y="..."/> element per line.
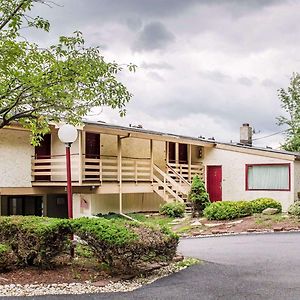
<point x="260" y="204"/>
<point x="173" y="209"/>
<point x="228" y="210"/>
<point x="187" y="262"/>
<point x="294" y="209"/>
<point x="198" y="196"/>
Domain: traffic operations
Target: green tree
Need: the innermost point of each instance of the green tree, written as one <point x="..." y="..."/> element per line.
<point x="198" y="196"/>
<point x="60" y="83"/>
<point x="290" y="102"/>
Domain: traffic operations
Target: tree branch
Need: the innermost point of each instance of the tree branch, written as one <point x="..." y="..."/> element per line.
<point x="4" y="23"/>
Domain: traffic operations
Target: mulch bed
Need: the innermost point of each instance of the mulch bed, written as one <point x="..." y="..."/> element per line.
<point x="64" y="271"/>
<point x="259" y="223"/>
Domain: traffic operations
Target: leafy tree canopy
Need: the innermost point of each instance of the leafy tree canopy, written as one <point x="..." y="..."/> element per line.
<point x="60" y="83"/>
<point x="290" y="102"/>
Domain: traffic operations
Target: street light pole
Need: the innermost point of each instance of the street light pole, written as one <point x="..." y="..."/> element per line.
<point x="69" y="181"/>
<point x="68" y="135"/>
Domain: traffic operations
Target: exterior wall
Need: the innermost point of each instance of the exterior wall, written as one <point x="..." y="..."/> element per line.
<point x="195" y="151"/>
<point x="134" y="148"/>
<point x="110" y="203"/>
<point x="15" y="158"/>
<point x="233" y="175"/>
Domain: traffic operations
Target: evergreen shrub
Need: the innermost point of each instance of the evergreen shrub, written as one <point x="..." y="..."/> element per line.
<point x="126" y="246"/>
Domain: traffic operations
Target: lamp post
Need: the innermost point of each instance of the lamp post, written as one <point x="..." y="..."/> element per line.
<point x="68" y="135"/>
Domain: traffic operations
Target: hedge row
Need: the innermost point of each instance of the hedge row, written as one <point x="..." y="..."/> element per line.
<point x="124" y="246"/>
<point x="227" y="210"/>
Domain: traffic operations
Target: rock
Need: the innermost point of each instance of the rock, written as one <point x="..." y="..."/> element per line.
<point x="270" y="211"/>
<point x="196" y="223"/>
<point x="219" y="231"/>
<point x="278" y="228"/>
<point x="235" y="222"/>
<point x="100" y="283"/>
<point x="290" y="228"/>
<point x="178" y="258"/>
<point x="251" y="230"/>
<point x="213" y="224"/>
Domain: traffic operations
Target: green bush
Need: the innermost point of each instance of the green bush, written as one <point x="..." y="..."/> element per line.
<point x="34" y="240"/>
<point x="258" y="205"/>
<point x="173" y="209"/>
<point x="126" y="246"/>
<point x="294" y="209"/>
<point x="7" y="258"/>
<point x="198" y="196"/>
<point x="228" y="210"/>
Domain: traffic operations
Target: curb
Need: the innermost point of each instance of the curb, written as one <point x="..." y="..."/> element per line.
<point x="237" y="233"/>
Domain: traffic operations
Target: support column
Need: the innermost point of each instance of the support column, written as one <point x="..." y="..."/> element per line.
<point x="80" y="158"/>
<point x="189" y="162"/>
<point x="120" y="173"/>
<point x="151" y="160"/>
<point x="177" y="153"/>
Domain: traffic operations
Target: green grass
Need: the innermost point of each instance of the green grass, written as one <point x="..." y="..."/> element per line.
<point x="152" y="220"/>
<point x="269" y="219"/>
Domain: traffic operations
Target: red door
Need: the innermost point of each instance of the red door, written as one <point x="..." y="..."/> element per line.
<point x="214" y="183"/>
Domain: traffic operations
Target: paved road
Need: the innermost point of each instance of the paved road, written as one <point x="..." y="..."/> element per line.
<point x="238" y="267"/>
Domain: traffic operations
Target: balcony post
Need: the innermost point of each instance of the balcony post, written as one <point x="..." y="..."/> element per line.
<point x="120" y="173"/>
<point x="151" y="160"/>
<point x="189" y="162"/>
<point x="80" y="158"/>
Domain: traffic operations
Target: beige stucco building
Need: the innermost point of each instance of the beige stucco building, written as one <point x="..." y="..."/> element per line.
<point x="128" y="169"/>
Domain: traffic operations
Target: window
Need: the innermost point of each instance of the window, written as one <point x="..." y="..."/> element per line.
<point x="274" y="177"/>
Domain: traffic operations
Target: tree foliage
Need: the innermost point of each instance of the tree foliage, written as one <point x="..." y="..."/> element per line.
<point x="60" y="83"/>
<point x="290" y="102"/>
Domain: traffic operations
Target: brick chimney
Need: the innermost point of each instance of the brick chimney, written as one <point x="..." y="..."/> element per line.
<point x="246" y="135"/>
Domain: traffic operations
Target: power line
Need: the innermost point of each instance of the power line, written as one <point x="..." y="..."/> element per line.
<point x="264" y="137"/>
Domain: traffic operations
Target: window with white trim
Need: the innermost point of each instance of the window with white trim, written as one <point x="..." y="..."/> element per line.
<point x="275" y="177"/>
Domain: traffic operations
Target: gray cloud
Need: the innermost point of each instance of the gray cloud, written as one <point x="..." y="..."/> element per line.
<point x="245" y="81"/>
<point x="219" y="62"/>
<point x="157" y="66"/>
<point x="153" y="36"/>
<point x="214" y="75"/>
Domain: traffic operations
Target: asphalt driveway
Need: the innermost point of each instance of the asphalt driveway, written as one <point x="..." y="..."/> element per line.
<point x="265" y="266"/>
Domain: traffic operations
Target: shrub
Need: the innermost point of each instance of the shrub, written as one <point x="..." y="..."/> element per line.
<point x="34" y="240"/>
<point x="173" y="209"/>
<point x="228" y="210"/>
<point x="198" y="196"/>
<point x="258" y="205"/>
<point x="294" y="209"/>
<point x="126" y="246"/>
<point x="7" y="258"/>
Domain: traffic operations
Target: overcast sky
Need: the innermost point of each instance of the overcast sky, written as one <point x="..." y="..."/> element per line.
<point x="204" y="66"/>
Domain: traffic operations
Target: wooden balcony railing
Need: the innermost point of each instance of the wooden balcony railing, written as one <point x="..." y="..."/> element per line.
<point x="105" y="168"/>
<point x="188" y="172"/>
